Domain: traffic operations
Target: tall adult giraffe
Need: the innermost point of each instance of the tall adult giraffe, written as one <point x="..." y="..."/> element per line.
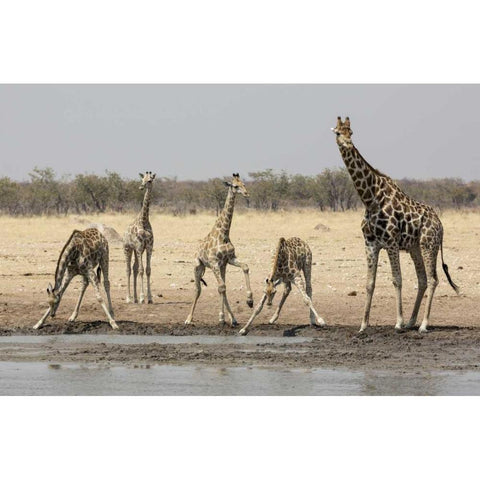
<point x="395" y="222"/>
<point x="216" y="251"/>
<point x="137" y="239"/>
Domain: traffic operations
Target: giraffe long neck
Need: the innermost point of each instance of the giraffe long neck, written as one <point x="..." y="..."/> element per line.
<point x="224" y="220"/>
<point x="364" y="176"/>
<point x="62" y="262"/>
<point x="145" y="211"/>
<point x="277" y="258"/>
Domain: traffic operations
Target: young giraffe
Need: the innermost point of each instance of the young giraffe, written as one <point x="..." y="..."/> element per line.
<point x="291" y="257"/>
<point x="395" y="222"/>
<point x="217" y="250"/>
<point x="137" y="239"/>
<point x="80" y="255"/>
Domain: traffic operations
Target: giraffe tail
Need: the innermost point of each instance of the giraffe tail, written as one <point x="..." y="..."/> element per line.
<point x="445" y="269"/>
<point x="99" y="273"/>
<point x="204" y="282"/>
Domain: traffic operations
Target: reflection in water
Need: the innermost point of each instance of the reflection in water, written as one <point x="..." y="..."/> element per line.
<point x="25" y="378"/>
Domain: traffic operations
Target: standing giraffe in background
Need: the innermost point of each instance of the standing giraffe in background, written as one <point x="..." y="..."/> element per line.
<point x="80" y="255"/>
<point x="395" y="222"/>
<point x="217" y="250"/>
<point x="292" y="257"/>
<point x="137" y="239"/>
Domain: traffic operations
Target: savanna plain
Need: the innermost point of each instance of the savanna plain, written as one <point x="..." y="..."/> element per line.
<point x="29" y="249"/>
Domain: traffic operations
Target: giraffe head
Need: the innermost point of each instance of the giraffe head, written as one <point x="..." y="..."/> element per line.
<point x="147" y="179"/>
<point x="270" y="290"/>
<point x="344" y="133"/>
<point x="53" y="300"/>
<point x="237" y="185"/>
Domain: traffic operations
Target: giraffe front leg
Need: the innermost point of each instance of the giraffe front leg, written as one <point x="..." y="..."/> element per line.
<point x="128" y="261"/>
<point x="141" y="272"/>
<point x="135" y="274"/>
<point x="257" y="310"/>
<point x="148" y="271"/>
<point x="74" y="314"/>
<point x="298" y="282"/>
<point x="233" y="321"/>
<point x="394" y="256"/>
<point x="371" y="251"/>
<point x="286" y="292"/>
<point x="246" y="271"/>
<point x="40" y="322"/>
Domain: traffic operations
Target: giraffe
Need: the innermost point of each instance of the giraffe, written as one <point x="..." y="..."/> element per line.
<point x="393" y="221"/>
<point x="137" y="239"/>
<point x="291" y="257"/>
<point x="83" y="251"/>
<point x="216" y="251"/>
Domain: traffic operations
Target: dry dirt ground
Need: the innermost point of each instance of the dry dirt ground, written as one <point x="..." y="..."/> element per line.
<point x="29" y="248"/>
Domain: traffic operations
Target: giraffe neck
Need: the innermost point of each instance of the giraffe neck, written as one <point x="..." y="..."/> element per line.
<point x="145" y="211"/>
<point x="63" y="261"/>
<point x="224" y="219"/>
<point x="364" y="176"/>
<point x="278" y="258"/>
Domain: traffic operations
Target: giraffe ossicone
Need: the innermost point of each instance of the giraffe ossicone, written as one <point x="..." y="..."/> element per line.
<point x="393" y="221"/>
<point x="137" y="239"/>
<point x="83" y="252"/>
<point x="292" y="257"/>
<point x="217" y="250"/>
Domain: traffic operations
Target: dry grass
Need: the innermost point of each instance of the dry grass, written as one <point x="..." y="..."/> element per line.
<point x="29" y="250"/>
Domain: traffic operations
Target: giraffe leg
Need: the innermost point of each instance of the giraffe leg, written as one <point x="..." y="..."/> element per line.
<point x="430" y="259"/>
<point x="257" y="310"/>
<point x="233" y="322"/>
<point x="233" y="261"/>
<point x="416" y="255"/>
<point x="299" y="283"/>
<point x="40" y="322"/>
<point x="94" y="281"/>
<point x="106" y="282"/>
<point x="135" y="274"/>
<point x="286" y="292"/>
<point x="394" y="256"/>
<point x="141" y="271"/>
<point x="222" y="289"/>
<point x="148" y="271"/>
<point x="74" y="315"/>
<point x="198" y="272"/>
<point x="307" y="272"/>
<point x="371" y="251"/>
<point x="128" y="261"/>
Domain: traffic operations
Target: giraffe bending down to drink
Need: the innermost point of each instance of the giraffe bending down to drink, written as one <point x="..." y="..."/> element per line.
<point x="291" y="257"/>
<point x="395" y="222"/>
<point x="216" y="251"/>
<point x="137" y="239"/>
<point x="82" y="253"/>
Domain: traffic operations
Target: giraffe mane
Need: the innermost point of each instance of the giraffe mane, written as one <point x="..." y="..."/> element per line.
<point x="63" y="250"/>
<point x="276" y="258"/>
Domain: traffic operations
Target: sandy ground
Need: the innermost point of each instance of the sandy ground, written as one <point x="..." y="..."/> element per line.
<point x="29" y="249"/>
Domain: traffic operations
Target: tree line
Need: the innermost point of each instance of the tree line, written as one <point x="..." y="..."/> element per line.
<point x="332" y="189"/>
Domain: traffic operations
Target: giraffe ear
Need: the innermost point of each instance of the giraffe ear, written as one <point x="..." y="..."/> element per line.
<point x="227" y="184"/>
<point x="154" y="175"/>
<point x="141" y="175"/>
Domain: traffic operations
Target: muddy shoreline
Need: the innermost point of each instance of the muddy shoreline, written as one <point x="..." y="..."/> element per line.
<point x="442" y="348"/>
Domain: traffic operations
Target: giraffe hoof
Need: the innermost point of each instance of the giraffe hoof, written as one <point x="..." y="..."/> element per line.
<point x="242" y="332"/>
<point x="422" y="330"/>
<point x="250" y="303"/>
<point x="234" y="323"/>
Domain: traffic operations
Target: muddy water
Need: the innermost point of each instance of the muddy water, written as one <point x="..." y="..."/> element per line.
<point x="41" y="378"/>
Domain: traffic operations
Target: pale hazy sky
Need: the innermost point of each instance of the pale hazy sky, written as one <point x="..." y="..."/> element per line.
<point x="203" y="131"/>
